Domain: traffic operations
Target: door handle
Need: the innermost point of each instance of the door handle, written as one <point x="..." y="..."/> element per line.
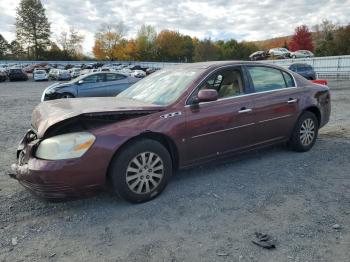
<point x="245" y="110"/>
<point x="291" y="101"/>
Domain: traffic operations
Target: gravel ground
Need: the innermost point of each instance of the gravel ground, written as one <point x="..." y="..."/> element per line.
<point x="205" y="214"/>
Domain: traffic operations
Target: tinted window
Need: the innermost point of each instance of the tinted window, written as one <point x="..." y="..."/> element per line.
<point x="227" y="83"/>
<point x="94" y="78"/>
<point x="114" y="77"/>
<point x="266" y="78"/>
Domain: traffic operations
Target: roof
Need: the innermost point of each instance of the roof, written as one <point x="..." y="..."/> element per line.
<point x="212" y="64"/>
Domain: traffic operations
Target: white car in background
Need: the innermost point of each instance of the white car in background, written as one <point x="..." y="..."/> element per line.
<point x="126" y="71"/>
<point x="40" y="75"/>
<point x="75" y="72"/>
<point x="281" y="52"/>
<point x="138" y="73"/>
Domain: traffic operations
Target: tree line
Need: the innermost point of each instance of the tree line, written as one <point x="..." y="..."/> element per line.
<point x="34" y="41"/>
<point x="166" y="46"/>
<point x="34" y="37"/>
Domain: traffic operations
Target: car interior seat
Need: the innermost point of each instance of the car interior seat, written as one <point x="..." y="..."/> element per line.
<point x="232" y="85"/>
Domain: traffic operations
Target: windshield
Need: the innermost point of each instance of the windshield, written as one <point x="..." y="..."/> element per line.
<point x="162" y="87"/>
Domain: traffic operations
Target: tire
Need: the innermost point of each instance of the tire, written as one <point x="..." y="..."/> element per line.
<point x="294" y="57"/>
<point x="308" y="124"/>
<point x="66" y="95"/>
<point x="140" y="184"/>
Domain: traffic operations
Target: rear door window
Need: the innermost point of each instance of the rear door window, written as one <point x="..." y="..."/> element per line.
<point x="94" y="78"/>
<point x="289" y="79"/>
<point x="266" y="78"/>
<point x="114" y="77"/>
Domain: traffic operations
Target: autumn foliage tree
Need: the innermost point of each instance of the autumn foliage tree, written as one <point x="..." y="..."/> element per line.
<point x="302" y="39"/>
<point x="107" y="40"/>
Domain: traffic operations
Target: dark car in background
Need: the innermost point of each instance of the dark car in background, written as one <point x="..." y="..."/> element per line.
<point x="175" y="118"/>
<point x="89" y="85"/>
<point x="305" y="70"/>
<point x="17" y="74"/>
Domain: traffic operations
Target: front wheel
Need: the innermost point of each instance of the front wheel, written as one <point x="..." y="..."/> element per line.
<point x="305" y="132"/>
<point x="140" y="171"/>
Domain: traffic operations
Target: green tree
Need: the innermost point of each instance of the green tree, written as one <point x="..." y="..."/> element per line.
<point x="342" y="40"/>
<point x="4" y="47"/>
<point x="188" y="48"/>
<point x="16" y="50"/>
<point x="206" y="50"/>
<point x="145" y="42"/>
<point x="32" y="26"/>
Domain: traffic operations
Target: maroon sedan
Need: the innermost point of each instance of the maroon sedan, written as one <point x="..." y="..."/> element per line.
<point x="175" y="118"/>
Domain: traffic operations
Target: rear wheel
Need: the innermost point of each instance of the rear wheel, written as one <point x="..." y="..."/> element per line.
<point x="141" y="170"/>
<point x="305" y="132"/>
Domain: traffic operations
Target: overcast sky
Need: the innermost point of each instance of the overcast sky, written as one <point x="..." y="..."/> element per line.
<point x="217" y="19"/>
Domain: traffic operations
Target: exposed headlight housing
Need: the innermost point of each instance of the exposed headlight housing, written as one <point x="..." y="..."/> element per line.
<point x="66" y="146"/>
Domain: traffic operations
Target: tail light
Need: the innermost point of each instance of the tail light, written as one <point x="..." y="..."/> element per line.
<point x="320" y="82"/>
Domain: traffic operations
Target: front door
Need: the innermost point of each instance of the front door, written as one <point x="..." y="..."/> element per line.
<point x="221" y="126"/>
<point x="93" y="85"/>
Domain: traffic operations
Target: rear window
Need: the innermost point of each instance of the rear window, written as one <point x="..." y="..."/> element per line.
<point x="16" y="71"/>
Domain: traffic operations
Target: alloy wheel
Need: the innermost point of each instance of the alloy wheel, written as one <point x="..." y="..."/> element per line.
<point x="144" y="173"/>
<point x="307" y="132"/>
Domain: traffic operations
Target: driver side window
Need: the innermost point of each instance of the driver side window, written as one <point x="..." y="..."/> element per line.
<point x="228" y="83"/>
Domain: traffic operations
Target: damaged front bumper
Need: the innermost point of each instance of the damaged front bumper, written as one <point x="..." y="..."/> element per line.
<point x="57" y="179"/>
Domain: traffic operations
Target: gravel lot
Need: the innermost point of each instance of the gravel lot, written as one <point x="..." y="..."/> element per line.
<point x="205" y="214"/>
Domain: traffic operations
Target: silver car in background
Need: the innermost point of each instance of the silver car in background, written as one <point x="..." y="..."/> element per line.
<point x="302" y="54"/>
<point x="90" y="85"/>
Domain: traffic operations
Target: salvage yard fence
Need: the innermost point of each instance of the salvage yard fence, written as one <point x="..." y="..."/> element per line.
<point x="331" y="67"/>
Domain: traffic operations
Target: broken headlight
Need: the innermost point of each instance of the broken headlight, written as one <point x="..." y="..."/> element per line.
<point x="66" y="146"/>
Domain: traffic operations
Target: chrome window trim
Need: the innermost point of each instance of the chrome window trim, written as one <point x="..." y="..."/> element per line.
<point x="244" y="95"/>
<point x="226" y="98"/>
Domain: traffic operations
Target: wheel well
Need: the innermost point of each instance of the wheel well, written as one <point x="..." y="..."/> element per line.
<point x="316" y="112"/>
<point x="167" y="142"/>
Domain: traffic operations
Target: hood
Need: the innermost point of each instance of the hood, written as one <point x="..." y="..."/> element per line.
<point x="49" y="113"/>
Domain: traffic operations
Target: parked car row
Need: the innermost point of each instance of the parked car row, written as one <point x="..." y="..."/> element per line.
<point x="280" y="53"/>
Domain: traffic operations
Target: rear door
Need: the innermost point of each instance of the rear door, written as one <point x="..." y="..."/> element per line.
<point x="116" y="83"/>
<point x="221" y="126"/>
<point x="276" y="102"/>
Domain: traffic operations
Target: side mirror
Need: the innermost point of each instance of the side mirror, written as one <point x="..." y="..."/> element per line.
<point x="80" y="82"/>
<point x="206" y="95"/>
